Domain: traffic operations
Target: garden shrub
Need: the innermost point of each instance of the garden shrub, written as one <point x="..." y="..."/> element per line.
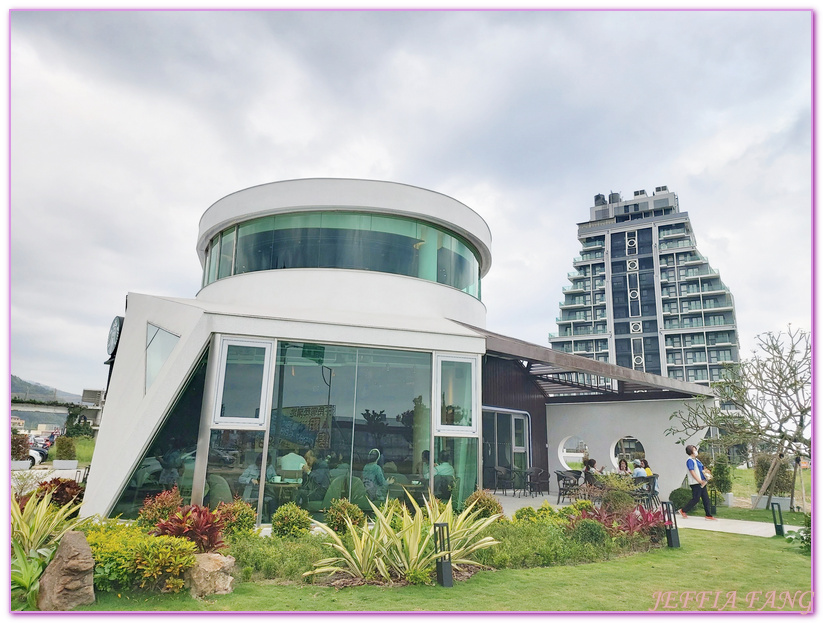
<point x="290" y="520"/>
<point x="125" y="557"/>
<point x="783" y="478"/>
<point x="19" y="446"/>
<point x="64" y="449"/>
<point x="63" y="491"/>
<point x="526" y="513"/>
<point x="278" y="557"/>
<point x="803" y="537"/>
<point x="161" y="562"/>
<point x="486" y="504"/>
<point x="195" y="523"/>
<point x="159" y="508"/>
<point x="590" y="531"/>
<point x="721" y="474"/>
<point x="617" y="501"/>
<point x="680" y="497"/>
<point x="526" y="544"/>
<point x="238" y="518"/>
<point x="113" y="545"/>
<point x="337" y="512"/>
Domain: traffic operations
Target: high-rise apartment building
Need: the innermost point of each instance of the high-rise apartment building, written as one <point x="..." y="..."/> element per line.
<point x="642" y="296"/>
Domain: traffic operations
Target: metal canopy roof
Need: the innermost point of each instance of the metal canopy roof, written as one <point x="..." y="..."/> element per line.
<point x="563" y="376"/>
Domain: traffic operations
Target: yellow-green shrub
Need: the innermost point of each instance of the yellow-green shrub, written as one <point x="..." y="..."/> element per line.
<point x="161" y="561"/>
<point x="126" y="556"/>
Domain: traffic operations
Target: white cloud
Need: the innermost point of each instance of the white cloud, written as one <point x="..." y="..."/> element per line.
<point x="126" y="126"/>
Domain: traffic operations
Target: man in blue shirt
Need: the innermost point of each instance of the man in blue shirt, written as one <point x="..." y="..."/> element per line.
<point x="698" y="479"/>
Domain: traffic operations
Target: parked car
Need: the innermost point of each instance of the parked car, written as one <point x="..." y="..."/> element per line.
<point x="44" y="452"/>
<point x="35" y="458"/>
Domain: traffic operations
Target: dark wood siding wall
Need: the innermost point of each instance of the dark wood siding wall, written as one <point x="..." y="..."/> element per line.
<point x="507" y="385"/>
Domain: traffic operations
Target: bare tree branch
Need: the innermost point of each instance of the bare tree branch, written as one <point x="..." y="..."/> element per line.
<point x="770" y="396"/>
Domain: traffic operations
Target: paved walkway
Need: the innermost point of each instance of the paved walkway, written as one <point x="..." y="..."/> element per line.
<point x="511" y="503"/>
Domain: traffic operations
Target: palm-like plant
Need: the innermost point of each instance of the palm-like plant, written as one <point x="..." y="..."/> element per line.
<point x="39" y="525"/>
<point x="362" y="561"/>
<point x="36" y="530"/>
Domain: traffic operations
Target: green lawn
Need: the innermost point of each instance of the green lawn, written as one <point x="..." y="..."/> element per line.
<point x="743" y="485"/>
<point x="84" y="447"/>
<point x="762" y="515"/>
<point x="725" y="567"/>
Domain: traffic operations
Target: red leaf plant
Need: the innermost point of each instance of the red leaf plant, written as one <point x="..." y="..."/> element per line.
<point x="195" y="523"/>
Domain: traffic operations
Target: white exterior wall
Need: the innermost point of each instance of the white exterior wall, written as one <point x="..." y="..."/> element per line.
<point x="133" y="416"/>
<point x="600" y="425"/>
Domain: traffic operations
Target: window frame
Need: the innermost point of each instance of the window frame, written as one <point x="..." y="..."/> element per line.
<point x="219" y="421"/>
<point x="447" y="430"/>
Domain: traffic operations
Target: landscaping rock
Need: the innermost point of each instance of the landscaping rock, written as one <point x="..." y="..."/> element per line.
<point x="210" y="575"/>
<point x="68" y="581"/>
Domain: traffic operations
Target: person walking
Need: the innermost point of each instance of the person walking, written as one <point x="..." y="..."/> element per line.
<point x="698" y="479"/>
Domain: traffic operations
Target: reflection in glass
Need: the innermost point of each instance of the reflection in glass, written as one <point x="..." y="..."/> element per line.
<point x="359" y="241"/>
<point x="331" y="406"/>
<point x="234" y="468"/>
<point x="177" y="436"/>
<point x="456" y="385"/>
<point x="243" y="382"/>
<point x="455" y="470"/>
<point x="159" y="344"/>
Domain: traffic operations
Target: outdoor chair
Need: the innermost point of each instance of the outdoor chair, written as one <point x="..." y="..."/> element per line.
<point x="567" y="485"/>
<point x="504" y="478"/>
<point x="531" y="480"/>
<point x="645" y="492"/>
<point x="336" y="490"/>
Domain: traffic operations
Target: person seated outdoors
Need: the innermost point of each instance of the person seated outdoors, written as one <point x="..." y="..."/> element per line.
<point x="623" y="468"/>
<point x="590" y="472"/>
<point x="374" y="480"/>
<point x="316" y="479"/>
<point x="638" y="472"/>
<point x="251" y="476"/>
<point x="649" y="472"/>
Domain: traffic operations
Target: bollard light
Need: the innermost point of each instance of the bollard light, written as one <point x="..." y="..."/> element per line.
<point x="670" y="519"/>
<point x="777" y="517"/>
<point x="713" y="501"/>
<point x="442" y="546"/>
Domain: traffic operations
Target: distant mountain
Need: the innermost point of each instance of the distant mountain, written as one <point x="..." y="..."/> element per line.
<point x="28" y="390"/>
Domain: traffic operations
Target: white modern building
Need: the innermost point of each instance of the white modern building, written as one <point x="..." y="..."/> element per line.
<point x="344" y="316"/>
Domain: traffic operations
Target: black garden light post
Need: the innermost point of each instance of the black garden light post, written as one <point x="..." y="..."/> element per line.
<point x="442" y="545"/>
<point x="670" y="520"/>
<point x="777" y="517"/>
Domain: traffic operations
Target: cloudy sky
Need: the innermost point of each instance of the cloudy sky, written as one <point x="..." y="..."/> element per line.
<point x="126" y="126"/>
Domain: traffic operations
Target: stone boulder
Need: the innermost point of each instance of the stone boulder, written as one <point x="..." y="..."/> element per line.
<point x="210" y="575"/>
<point x="68" y="581"/>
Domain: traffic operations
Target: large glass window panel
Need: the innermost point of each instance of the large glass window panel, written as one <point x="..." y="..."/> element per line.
<point x="504" y="440"/>
<point x="332" y="405"/>
<point x="393" y="418"/>
<point x="358" y="241"/>
<point x="214" y="259"/>
<point x="243" y="385"/>
<point x="226" y="253"/>
<point x="255" y="246"/>
<point x="234" y="468"/>
<point x="169" y="458"/>
<point x="159" y="344"/>
<point x="455" y="471"/>
<point x="456" y="386"/>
